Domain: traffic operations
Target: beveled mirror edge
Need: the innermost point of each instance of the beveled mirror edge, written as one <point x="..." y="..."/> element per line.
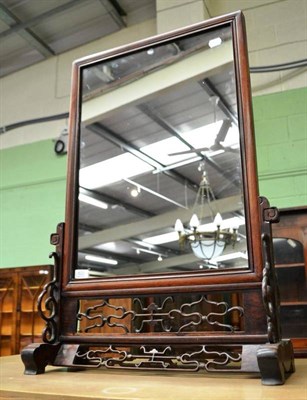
<point x="141" y="283"/>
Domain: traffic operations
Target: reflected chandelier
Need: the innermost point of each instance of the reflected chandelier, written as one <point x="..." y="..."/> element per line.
<point x="205" y="243"/>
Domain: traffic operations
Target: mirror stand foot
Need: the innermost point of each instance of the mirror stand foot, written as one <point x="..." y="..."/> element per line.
<point x="37" y="356"/>
<point x="276" y="361"/>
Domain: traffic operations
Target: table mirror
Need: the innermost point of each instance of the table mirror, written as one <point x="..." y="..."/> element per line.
<point x="165" y="260"/>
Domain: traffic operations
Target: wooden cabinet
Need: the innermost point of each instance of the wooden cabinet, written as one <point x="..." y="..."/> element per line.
<point x="290" y="247"/>
<point x="20" y="323"/>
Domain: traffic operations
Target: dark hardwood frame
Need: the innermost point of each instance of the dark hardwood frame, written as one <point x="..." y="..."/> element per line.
<point x="260" y="339"/>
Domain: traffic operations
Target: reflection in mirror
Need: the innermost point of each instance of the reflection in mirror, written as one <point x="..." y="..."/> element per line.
<point x="160" y="168"/>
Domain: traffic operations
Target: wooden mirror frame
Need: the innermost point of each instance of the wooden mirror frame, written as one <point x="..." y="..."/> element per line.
<point x="257" y="346"/>
<point x="249" y="172"/>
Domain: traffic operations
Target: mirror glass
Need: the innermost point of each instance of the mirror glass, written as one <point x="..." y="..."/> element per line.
<point x="160" y="178"/>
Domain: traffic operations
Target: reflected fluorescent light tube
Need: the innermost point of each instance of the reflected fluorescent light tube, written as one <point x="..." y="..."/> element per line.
<point x="139" y="250"/>
<point x="215" y="152"/>
<point x="101" y="259"/>
<point x="112" y="170"/>
<point x="163" y="238"/>
<point x="215" y="42"/>
<point x="94" y="202"/>
<point x="231" y="256"/>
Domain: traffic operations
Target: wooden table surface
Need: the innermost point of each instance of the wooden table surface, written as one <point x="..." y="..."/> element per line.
<point x="60" y="384"/>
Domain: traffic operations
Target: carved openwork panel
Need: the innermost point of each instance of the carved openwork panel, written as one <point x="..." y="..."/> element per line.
<point x="161" y="314"/>
<point x="171" y="358"/>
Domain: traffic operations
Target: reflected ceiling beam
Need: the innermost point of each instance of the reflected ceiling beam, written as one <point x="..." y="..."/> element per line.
<point x="170" y="129"/>
<point x="112" y="137"/>
<point x="88" y="228"/>
<point x="220" y="137"/>
<point x="107" y="134"/>
<point x="158" y="249"/>
<point x="114" y="256"/>
<point x="160" y="266"/>
<point x="156" y="266"/>
<point x="30" y="37"/>
<point x="158" y="119"/>
<point x="163" y="250"/>
<point x="166" y="220"/>
<point x="136" y="242"/>
<point x="193" y="67"/>
<point x="222" y="103"/>
<point x="168" y="263"/>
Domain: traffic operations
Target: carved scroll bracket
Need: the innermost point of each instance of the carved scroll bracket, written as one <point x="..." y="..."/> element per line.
<point x="49" y="299"/>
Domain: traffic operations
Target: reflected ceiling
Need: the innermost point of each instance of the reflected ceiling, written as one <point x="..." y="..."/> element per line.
<point x="143" y="160"/>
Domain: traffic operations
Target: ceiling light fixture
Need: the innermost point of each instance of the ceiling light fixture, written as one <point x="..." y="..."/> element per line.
<point x="169" y="237"/>
<point x="135" y="191"/>
<point x="146" y="189"/>
<point x="140" y="250"/>
<point x="205" y="244"/>
<point x="215" y="42"/>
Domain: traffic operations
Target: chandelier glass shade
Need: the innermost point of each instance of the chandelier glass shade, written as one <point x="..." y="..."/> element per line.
<point x="205" y="243"/>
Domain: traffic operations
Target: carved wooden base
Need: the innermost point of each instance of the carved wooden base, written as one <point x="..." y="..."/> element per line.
<point x="273" y="361"/>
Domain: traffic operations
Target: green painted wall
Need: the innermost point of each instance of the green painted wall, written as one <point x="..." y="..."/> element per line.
<point x="32" y="199"/>
<point x="281" y="138"/>
<point x="32" y="180"/>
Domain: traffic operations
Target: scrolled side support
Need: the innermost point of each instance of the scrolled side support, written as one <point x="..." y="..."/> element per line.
<point x="276" y="358"/>
<point x="37" y="356"/>
<point x="49" y="298"/>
